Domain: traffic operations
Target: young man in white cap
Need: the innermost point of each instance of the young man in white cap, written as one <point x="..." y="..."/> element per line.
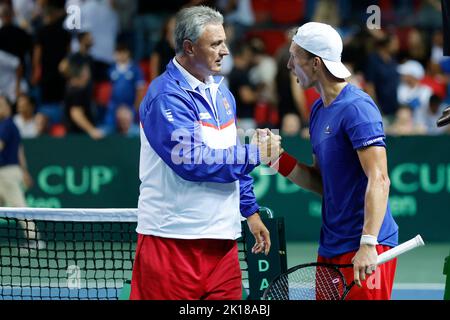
<point x="349" y="167"/>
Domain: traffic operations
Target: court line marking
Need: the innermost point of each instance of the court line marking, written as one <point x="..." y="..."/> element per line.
<point x="419" y="286"/>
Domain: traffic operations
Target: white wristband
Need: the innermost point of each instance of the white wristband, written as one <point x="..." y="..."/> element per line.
<point x="368" y="239"/>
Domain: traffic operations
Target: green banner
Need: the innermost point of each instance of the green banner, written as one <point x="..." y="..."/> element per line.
<point x="78" y="172"/>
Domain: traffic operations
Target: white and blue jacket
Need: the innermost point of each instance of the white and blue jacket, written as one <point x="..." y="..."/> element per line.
<point x="194" y="173"/>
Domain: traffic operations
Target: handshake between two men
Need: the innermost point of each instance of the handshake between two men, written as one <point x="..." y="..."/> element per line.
<point x="269" y="145"/>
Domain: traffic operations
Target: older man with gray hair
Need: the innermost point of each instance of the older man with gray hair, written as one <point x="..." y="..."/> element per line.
<point x="195" y="182"/>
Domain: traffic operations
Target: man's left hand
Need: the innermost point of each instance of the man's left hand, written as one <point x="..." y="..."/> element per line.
<point x="261" y="234"/>
<point x="364" y="261"/>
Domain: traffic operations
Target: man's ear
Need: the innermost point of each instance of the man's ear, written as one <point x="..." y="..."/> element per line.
<point x="316" y="62"/>
<point x="188" y="47"/>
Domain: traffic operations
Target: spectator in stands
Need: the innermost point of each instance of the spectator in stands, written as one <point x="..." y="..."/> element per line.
<point x="290" y="125"/>
<point x="128" y="86"/>
<point x="437" y="46"/>
<point x="403" y="124"/>
<point x="23" y="12"/>
<point x="430" y="15"/>
<point x="238" y="14"/>
<point x="126" y="12"/>
<point x="410" y="91"/>
<point x="52" y="45"/>
<point x="262" y="76"/>
<point x="83" y="56"/>
<point x="263" y="71"/>
<point x="149" y="22"/>
<point x="356" y="52"/>
<point x="403" y="12"/>
<point x="78" y="111"/>
<point x="125" y="123"/>
<point x="427" y="117"/>
<point x="29" y="124"/>
<point x="434" y="77"/>
<point x="33" y="16"/>
<point x="11" y="174"/>
<point x="9" y="80"/>
<point x="99" y="18"/>
<point x="327" y="11"/>
<point x="164" y="49"/>
<point x="13" y="165"/>
<point x="14" y="40"/>
<point x="382" y="76"/>
<point x="14" y="175"/>
<point x="244" y="92"/>
<point x="85" y="43"/>
<point x="357" y="78"/>
<point x="416" y="47"/>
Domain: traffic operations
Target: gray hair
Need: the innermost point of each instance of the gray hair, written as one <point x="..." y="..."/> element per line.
<point x="190" y="23"/>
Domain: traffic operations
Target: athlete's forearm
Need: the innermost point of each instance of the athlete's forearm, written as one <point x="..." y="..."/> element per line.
<point x="375" y="205"/>
<point x="307" y="177"/>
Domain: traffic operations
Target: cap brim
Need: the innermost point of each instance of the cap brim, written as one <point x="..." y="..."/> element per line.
<point x="337" y="69"/>
<point x="403" y="71"/>
<point x="407" y="72"/>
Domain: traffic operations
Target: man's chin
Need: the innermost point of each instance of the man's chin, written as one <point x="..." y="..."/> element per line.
<point x="304" y="85"/>
<point x="216" y="70"/>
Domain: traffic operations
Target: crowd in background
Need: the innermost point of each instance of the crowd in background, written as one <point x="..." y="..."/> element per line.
<point x="62" y="78"/>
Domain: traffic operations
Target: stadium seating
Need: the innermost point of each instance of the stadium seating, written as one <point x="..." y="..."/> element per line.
<point x="288" y="11"/>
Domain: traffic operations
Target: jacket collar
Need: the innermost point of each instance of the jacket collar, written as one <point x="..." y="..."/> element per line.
<point x="187" y="80"/>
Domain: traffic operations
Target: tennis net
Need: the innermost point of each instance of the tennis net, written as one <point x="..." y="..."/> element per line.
<point x="65" y="254"/>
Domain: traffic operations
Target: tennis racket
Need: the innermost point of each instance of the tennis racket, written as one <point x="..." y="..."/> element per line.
<point x="445" y="118"/>
<point x="323" y="281"/>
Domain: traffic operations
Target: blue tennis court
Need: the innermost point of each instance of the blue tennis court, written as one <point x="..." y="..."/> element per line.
<point x="419" y="292"/>
<point x="38" y="293"/>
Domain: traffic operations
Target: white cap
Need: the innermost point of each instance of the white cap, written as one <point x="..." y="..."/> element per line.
<point x="325" y="42"/>
<point x="411" y="68"/>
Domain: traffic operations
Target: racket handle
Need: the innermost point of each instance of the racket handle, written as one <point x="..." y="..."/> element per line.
<point x="415" y="242"/>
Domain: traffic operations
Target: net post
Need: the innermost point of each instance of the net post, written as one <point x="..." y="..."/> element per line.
<point x="447" y="282"/>
<point x="263" y="269"/>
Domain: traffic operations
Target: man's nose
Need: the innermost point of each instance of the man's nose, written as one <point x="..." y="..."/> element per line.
<point x="289" y="63"/>
<point x="224" y="50"/>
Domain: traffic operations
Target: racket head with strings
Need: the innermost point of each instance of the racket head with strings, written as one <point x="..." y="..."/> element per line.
<point x="311" y="281"/>
<point x="322" y="281"/>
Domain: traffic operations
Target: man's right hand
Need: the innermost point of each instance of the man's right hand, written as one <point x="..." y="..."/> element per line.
<point x="269" y="145"/>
